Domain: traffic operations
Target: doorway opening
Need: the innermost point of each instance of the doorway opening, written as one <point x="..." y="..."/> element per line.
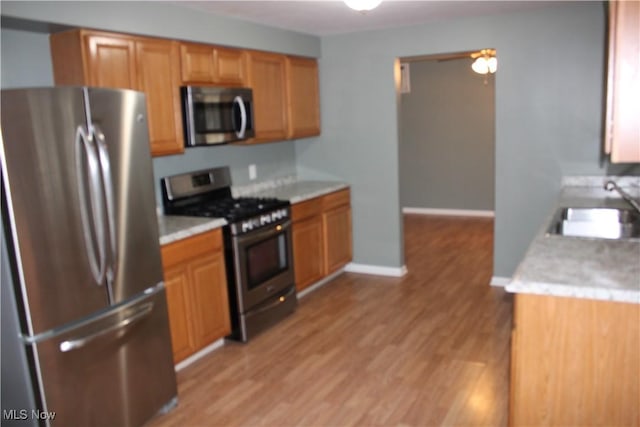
<point x="446" y="128"/>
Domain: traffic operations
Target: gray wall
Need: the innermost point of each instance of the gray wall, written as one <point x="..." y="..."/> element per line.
<point x="273" y="160"/>
<point x="26" y="61"/>
<point x="549" y="89"/>
<point x="447" y="137"/>
<point x="163" y="19"/>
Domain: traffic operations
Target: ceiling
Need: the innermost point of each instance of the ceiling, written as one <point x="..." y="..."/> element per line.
<point x="329" y="17"/>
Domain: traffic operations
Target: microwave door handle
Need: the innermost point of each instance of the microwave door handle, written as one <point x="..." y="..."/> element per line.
<point x="107" y="185"/>
<point x="243" y="116"/>
<point x="97" y="261"/>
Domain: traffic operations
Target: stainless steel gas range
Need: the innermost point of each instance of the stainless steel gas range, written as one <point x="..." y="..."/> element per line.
<point x="258" y="252"/>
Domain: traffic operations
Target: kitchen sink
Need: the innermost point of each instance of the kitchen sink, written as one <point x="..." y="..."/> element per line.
<point x="603" y="223"/>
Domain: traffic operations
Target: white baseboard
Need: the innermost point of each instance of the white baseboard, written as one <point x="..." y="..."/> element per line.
<point x="449" y="212"/>
<point x="320" y="283"/>
<point x="500" y="281"/>
<point x="199" y="355"/>
<point x="376" y="270"/>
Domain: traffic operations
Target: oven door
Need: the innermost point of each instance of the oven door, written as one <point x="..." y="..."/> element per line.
<point x="263" y="264"/>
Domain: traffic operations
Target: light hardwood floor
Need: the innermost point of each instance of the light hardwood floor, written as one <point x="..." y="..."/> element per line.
<point x="428" y="349"/>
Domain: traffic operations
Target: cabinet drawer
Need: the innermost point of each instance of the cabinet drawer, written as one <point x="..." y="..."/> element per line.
<point x="306" y="209"/>
<point x="338" y="198"/>
<point x="185" y="249"/>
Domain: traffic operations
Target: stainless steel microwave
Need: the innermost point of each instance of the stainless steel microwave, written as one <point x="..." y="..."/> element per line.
<point x="216" y="115"/>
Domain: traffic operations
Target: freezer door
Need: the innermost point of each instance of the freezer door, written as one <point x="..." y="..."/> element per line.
<point x="46" y="169"/>
<point x="119" y="121"/>
<point x="114" y="371"/>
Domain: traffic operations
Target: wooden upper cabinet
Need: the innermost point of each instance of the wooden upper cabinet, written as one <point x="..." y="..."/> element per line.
<point x="303" y="99"/>
<point x="196" y="62"/>
<point x="267" y="78"/>
<point x="231" y="66"/>
<point x="622" y="139"/>
<point x="159" y="78"/>
<point x="111" y="62"/>
<point x="119" y="61"/>
<point x="206" y="64"/>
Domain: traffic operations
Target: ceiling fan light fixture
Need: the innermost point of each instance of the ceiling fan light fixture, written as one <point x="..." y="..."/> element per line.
<point x="362" y="5"/>
<point x="486" y="63"/>
<point x="492" y="63"/>
<point x="480" y="65"/>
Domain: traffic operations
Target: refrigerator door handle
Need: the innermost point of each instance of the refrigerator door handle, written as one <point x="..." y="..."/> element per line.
<point x="97" y="261"/>
<point x="77" y="343"/>
<point x="107" y="182"/>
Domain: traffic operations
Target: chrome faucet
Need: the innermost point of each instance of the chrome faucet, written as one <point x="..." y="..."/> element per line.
<point x="611" y="185"/>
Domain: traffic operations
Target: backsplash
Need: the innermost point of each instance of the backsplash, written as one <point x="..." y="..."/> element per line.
<point x="593" y="181"/>
<point x="273" y="161"/>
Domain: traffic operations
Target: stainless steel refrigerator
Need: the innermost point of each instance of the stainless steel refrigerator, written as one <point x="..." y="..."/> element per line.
<point x="85" y="332"/>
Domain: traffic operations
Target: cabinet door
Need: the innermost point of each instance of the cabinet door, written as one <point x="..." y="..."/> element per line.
<point x="159" y="78"/>
<point x="211" y="312"/>
<point x="197" y="63"/>
<point x="623" y="92"/>
<point x="111" y="61"/>
<point x="337" y="230"/>
<point x="182" y="337"/>
<point x="308" y="251"/>
<point x="231" y="66"/>
<point x="267" y="75"/>
<point x="303" y="97"/>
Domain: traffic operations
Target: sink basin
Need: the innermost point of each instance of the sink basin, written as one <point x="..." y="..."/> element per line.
<point x="603" y="223"/>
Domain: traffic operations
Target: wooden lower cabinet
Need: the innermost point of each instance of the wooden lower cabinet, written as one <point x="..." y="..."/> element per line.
<point x="196" y="283"/>
<point x="308" y="251"/>
<point x="176" y="281"/>
<point x="336" y="219"/>
<point x="574" y="362"/>
<point x="321" y="237"/>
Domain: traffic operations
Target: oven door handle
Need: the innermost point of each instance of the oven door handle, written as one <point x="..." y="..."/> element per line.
<point x="264" y="233"/>
<point x="281" y="299"/>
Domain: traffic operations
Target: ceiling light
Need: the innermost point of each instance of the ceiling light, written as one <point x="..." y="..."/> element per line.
<point x="486" y="62"/>
<point x="362" y="5"/>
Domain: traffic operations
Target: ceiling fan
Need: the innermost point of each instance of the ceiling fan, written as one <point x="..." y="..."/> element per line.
<point x="485" y="60"/>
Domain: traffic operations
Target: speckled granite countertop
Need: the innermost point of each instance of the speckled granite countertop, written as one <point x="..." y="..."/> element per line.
<point x="174" y="228"/>
<point x="289" y="189"/>
<point x="582" y="267"/>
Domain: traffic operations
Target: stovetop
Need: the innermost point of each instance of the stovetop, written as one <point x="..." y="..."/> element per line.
<point x="234" y="209"/>
<point x="207" y="193"/>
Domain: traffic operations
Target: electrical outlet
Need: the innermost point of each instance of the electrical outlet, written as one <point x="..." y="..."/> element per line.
<point x="253" y="172"/>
